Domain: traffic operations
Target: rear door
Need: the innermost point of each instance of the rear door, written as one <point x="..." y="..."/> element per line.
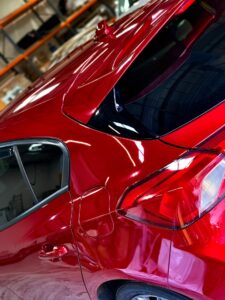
<point x="37" y="255"/>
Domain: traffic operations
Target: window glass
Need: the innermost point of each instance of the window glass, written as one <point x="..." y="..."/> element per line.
<point x="43" y="164"/>
<point x="15" y="195"/>
<point x="29" y="174"/>
<point x="160" y="93"/>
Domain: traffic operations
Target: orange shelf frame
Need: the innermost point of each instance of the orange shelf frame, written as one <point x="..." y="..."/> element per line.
<point x="46" y="38"/>
<point x="18" y="12"/>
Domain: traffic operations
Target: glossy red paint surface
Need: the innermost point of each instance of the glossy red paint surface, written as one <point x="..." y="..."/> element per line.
<point x="83" y="226"/>
<point x="23" y="260"/>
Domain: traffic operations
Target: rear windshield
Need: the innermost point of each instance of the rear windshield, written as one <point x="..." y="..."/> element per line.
<point x="165" y="88"/>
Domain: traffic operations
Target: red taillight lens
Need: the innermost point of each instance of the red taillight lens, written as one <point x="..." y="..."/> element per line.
<point x="180" y="193"/>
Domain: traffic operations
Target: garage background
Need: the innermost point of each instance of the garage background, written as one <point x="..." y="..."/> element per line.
<point x="37" y="34"/>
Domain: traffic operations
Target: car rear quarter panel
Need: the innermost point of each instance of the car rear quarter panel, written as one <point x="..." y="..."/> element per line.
<point x="110" y="246"/>
<point x="197" y="261"/>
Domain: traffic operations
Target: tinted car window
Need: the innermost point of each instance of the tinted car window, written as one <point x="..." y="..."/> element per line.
<point x="31" y="173"/>
<point x="15" y="195"/>
<point x="158" y="93"/>
<point x="43" y="164"/>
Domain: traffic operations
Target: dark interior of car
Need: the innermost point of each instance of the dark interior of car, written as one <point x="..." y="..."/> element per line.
<point x="171" y="82"/>
<point x="43" y="166"/>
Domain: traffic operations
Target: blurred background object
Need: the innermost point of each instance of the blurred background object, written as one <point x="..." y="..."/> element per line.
<point x="35" y="35"/>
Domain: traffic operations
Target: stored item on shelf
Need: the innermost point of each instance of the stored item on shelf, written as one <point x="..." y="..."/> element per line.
<point x="75" y="42"/>
<point x="28" y="39"/>
<point x="11" y="88"/>
<point x="72" y="5"/>
<point x="23" y="56"/>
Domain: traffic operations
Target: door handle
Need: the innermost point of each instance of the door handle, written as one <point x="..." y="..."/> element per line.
<point x="52" y="252"/>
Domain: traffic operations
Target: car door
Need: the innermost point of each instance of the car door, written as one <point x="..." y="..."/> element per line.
<point x="38" y="259"/>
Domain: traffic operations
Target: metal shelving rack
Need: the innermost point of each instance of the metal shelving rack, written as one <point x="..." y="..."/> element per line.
<point x="30" y="5"/>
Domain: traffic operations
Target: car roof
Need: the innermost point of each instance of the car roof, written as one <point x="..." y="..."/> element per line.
<point x="84" y="78"/>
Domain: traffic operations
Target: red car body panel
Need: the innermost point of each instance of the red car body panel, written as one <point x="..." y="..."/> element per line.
<point x="24" y="273"/>
<point x="105" y="244"/>
<point x="91" y="173"/>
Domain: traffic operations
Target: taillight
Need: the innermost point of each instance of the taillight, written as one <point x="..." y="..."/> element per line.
<point x="178" y="194"/>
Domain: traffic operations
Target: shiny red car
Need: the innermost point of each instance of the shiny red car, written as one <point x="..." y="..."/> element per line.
<point x="112" y="167"/>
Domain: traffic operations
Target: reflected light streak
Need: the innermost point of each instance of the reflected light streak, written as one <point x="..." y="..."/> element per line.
<point x="41" y="92"/>
<point x="92" y="192"/>
<point x="124" y="62"/>
<point x="127" y="30"/>
<point x="77" y="142"/>
<point x="180" y="164"/>
<point x="141" y="151"/>
<point x="157" y="15"/>
<point x="135" y="174"/>
<point x="114" y="129"/>
<point x="52" y="218"/>
<point x="128" y="153"/>
<point x="125" y="126"/>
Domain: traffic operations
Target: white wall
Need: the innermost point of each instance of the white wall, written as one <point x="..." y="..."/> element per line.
<point x="7" y="6"/>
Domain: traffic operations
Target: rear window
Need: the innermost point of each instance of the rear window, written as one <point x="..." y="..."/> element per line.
<point x="165" y="88"/>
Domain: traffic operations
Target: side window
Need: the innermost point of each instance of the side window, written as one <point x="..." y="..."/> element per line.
<point x="31" y="173"/>
<point x="43" y="165"/>
<point x="15" y="195"/>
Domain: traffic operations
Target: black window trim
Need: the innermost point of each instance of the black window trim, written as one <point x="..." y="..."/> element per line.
<point x="65" y="174"/>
